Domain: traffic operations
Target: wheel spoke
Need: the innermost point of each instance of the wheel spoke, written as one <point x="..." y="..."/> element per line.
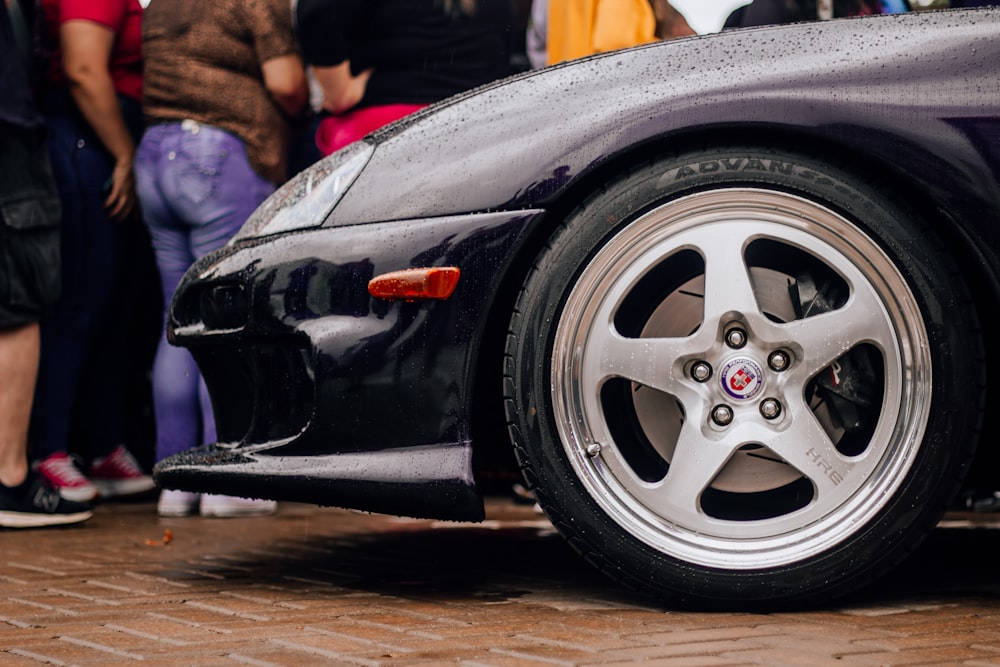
<point x="695" y="463"/>
<point x="728" y="288"/>
<point x="828" y="336"/>
<point x="808" y="448"/>
<point x="647" y="361"/>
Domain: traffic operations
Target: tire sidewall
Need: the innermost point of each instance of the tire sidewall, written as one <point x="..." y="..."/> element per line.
<point x="916" y="504"/>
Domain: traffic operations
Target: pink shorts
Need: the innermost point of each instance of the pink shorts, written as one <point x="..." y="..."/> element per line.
<point x="335" y="132"/>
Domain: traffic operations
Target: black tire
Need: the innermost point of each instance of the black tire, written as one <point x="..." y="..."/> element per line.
<point x="844" y="391"/>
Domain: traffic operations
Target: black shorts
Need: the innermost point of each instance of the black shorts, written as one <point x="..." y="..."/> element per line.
<point x="29" y="228"/>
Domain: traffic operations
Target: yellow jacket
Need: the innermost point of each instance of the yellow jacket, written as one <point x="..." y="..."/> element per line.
<point x="578" y="28"/>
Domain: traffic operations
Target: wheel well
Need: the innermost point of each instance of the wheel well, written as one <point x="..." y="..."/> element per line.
<point x="494" y="461"/>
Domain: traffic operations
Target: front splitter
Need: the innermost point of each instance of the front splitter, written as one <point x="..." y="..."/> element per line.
<point x="433" y="482"/>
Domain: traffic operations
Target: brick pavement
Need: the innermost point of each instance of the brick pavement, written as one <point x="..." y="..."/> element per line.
<point x="327" y="586"/>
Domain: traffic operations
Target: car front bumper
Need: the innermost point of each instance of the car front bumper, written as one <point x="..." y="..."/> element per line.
<point x="324" y="394"/>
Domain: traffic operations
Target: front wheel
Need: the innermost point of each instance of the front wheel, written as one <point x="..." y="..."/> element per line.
<point x="743" y="378"/>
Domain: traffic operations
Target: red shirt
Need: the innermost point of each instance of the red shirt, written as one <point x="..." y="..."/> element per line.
<point x="123" y="17"/>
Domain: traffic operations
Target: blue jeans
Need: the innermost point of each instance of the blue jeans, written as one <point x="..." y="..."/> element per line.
<point x="73" y="366"/>
<point x="197" y="188"/>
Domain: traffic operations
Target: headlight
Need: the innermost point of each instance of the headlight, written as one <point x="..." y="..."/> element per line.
<point x="307" y="199"/>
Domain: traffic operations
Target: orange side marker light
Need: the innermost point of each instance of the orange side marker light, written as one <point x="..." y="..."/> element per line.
<point x="437" y="282"/>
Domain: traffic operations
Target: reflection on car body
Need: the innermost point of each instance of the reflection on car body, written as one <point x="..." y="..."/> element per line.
<point x="726" y="309"/>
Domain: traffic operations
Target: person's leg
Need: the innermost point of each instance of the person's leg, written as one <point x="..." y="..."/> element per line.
<point x="213" y="187"/>
<point x="115" y="385"/>
<point x="175" y="375"/>
<point x="100" y="433"/>
<point x="145" y="305"/>
<point x="100" y="420"/>
<point x="91" y="245"/>
<point x="95" y="423"/>
<point x="62" y="336"/>
<point x="237" y="192"/>
<point x="29" y="285"/>
<point x="26" y="500"/>
<point x="18" y="368"/>
<point x="174" y="379"/>
<point x="29" y="245"/>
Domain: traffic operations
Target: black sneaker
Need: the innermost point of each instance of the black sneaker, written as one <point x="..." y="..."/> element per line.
<point x="33" y="504"/>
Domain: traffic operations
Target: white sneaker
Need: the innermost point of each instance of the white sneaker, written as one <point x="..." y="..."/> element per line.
<point x="177" y="503"/>
<point x="232" y="506"/>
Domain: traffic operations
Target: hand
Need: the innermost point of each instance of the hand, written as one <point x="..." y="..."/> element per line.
<point x="121" y="200"/>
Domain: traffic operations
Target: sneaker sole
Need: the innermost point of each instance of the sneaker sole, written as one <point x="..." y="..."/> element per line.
<point x="81" y="495"/>
<point x="177" y="510"/>
<point x="123" y="487"/>
<point x="33" y="520"/>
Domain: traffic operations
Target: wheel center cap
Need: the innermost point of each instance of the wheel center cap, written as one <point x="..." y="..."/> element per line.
<point x="742" y="378"/>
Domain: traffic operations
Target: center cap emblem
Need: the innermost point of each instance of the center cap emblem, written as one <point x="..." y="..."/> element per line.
<point x="742" y="378"/>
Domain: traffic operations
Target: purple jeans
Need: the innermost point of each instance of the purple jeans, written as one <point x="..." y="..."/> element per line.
<point x="197" y="188"/>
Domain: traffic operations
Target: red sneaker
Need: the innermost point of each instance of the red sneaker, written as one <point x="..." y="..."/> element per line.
<point x="119" y="474"/>
<point x="63" y="475"/>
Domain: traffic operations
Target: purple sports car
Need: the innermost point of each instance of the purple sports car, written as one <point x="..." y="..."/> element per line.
<point x="723" y="297"/>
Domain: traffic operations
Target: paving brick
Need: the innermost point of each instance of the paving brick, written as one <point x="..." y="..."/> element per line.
<point x="931" y="639"/>
<point x="950" y="655"/>
<point x="322" y="586"/>
<point x="684" y="661"/>
<point x="776" y="657"/>
<point x="699" y="635"/>
<point x="591" y="642"/>
<point x="654" y="652"/>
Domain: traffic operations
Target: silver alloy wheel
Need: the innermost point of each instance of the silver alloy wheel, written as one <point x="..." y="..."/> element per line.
<point x="688" y="326"/>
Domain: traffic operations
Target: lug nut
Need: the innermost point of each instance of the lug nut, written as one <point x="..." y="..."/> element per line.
<point x="701" y="371"/>
<point x="770" y="408"/>
<point x="736" y="338"/>
<point x="722" y="415"/>
<point x="778" y="360"/>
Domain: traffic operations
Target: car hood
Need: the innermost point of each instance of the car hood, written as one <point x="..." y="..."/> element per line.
<point x="520" y="142"/>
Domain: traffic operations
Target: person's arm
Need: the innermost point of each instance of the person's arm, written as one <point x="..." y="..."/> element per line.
<point x="285" y="80"/>
<point x="670" y="23"/>
<point x="537" y="34"/>
<point x="341" y="90"/>
<point x="86" y="48"/>
<point x="321" y="26"/>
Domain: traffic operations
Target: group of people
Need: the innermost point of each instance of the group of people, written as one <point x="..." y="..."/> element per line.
<point x="176" y="119"/>
<point x="125" y="128"/>
<point x="71" y="115"/>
